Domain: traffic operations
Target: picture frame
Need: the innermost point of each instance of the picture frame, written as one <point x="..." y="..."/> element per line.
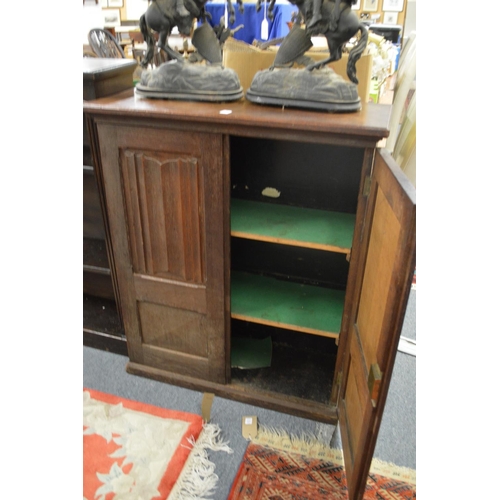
<point x="115" y="3"/>
<point x="356" y="5"/>
<point x="390" y="18"/>
<point x="111" y="18"/>
<point x="370" y="5"/>
<point x="392" y="5"/>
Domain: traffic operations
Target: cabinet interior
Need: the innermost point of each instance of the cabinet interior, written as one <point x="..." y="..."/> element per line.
<point x="293" y="209"/>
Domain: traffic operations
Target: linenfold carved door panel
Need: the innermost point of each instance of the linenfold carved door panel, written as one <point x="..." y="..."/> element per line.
<point x="165" y="203"/>
<point x="385" y="257"/>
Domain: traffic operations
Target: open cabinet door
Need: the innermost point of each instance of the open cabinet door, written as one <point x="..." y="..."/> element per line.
<point x="384" y="253"/>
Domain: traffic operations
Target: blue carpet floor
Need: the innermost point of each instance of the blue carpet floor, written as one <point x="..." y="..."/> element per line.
<point x="396" y="443"/>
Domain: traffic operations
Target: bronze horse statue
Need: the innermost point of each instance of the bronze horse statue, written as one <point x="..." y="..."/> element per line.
<point x="163" y="15"/>
<point x="337" y="22"/>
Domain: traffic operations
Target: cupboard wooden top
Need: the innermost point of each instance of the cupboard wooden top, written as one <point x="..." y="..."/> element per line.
<point x="96" y="68"/>
<point x="363" y="128"/>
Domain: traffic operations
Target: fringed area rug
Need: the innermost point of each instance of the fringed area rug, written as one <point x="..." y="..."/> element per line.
<point x="279" y="467"/>
<point x="135" y="451"/>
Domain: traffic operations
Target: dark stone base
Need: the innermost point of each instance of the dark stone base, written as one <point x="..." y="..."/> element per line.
<point x="320" y="90"/>
<point x="190" y="82"/>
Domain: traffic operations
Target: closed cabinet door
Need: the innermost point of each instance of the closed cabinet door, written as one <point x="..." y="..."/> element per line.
<point x="164" y="195"/>
<point x="378" y="290"/>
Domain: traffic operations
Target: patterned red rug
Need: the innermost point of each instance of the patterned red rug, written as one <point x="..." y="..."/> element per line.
<point x="268" y="473"/>
<point x="137" y="451"/>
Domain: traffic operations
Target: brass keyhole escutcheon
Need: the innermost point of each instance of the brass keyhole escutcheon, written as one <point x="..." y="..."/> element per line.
<point x="374" y="379"/>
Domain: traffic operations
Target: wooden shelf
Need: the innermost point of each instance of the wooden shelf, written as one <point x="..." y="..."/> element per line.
<point x="286" y="225"/>
<point x="292" y="306"/>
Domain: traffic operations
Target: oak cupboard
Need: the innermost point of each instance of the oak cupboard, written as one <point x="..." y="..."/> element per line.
<point x="237" y="221"/>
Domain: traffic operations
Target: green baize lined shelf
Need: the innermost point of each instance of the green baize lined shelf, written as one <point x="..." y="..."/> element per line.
<point x="305" y="227"/>
<point x="283" y="304"/>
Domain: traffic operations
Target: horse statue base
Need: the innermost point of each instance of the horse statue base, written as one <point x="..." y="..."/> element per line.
<point x="319" y="90"/>
<point x="190" y="82"/>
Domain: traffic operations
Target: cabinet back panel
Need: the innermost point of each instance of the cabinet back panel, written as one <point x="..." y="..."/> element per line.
<point x="304" y="265"/>
<point x="309" y="175"/>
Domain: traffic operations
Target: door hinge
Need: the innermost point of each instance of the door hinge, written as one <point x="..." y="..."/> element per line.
<point x="367" y="186"/>
<point x="374" y="379"/>
<point x="339" y="379"/>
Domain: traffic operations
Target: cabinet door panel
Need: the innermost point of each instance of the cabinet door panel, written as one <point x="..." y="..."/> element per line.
<point x="164" y="201"/>
<point x="164" y="192"/>
<point x="385" y="257"/>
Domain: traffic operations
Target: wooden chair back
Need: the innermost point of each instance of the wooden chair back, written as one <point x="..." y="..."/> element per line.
<point x="104" y="44"/>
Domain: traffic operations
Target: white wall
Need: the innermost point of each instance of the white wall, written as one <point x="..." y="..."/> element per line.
<point x="92" y="18"/>
<point x="135" y="9"/>
<point x="411" y="17"/>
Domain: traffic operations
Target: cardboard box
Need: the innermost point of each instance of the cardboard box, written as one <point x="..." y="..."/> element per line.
<point x="247" y="60"/>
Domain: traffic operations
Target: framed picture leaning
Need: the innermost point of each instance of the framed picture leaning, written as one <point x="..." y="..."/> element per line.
<point x="391" y="5"/>
<point x="370" y="5"/>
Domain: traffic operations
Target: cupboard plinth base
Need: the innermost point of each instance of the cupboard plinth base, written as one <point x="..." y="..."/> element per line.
<point x="272" y="401"/>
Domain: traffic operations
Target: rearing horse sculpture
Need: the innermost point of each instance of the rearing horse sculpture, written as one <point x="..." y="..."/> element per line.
<point x="163" y="15"/>
<point x="338" y="24"/>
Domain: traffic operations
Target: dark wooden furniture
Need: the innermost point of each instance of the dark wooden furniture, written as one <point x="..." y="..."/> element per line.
<point x="102" y="326"/>
<point x="104" y="44"/>
<point x="238" y="221"/>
